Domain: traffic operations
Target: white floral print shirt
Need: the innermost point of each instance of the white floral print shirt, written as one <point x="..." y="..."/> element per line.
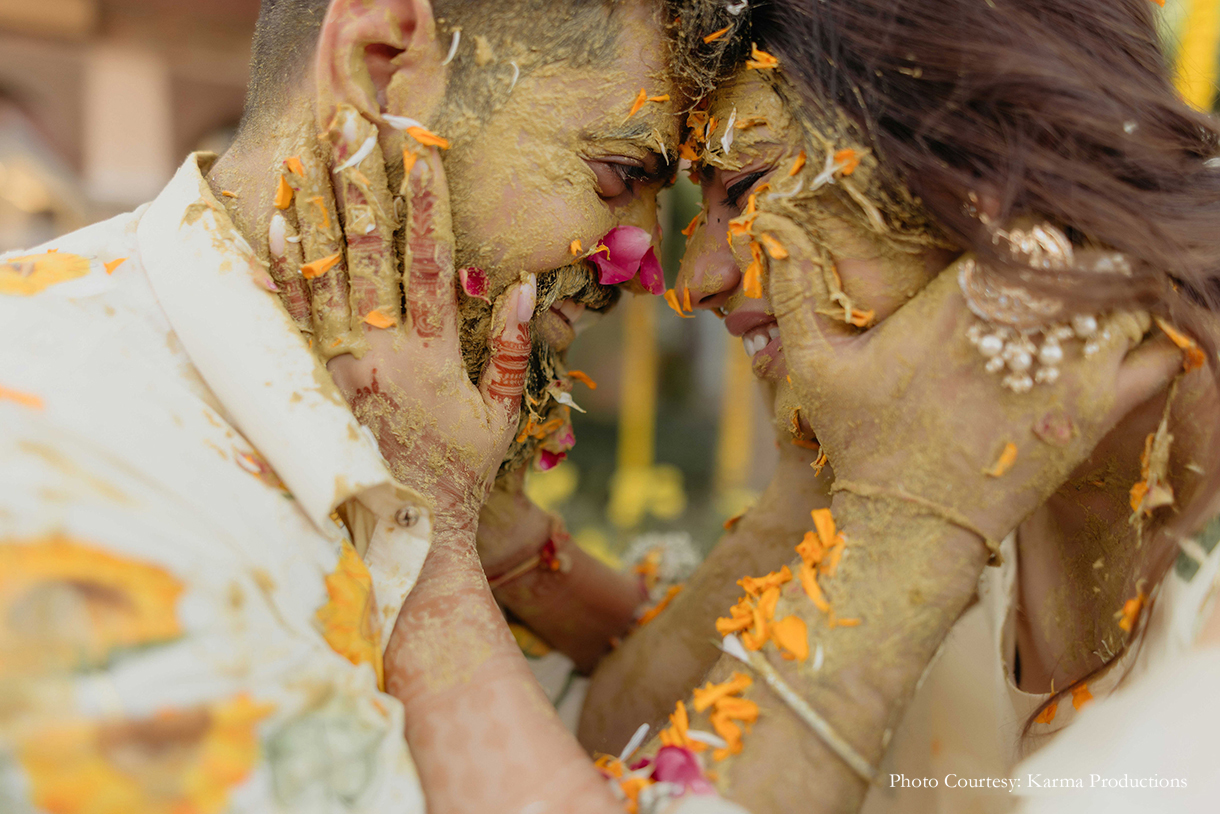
<point x="185" y="625"/>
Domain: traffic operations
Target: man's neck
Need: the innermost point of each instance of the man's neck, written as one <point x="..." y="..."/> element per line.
<point x="245" y="177"/>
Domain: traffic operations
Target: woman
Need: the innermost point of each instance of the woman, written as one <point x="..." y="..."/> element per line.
<point x="893" y="165"/>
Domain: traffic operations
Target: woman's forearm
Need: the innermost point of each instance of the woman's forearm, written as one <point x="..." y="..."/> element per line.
<point x="481" y="731"/>
<point x="660" y="663"/>
<point x="907" y="577"/>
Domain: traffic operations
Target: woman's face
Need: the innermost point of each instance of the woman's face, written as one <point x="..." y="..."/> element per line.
<point x="753" y="149"/>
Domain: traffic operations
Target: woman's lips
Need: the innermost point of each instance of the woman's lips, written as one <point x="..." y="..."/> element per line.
<point x="763" y="339"/>
<point x="759" y="334"/>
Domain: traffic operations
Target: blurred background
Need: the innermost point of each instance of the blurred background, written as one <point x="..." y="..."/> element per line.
<point x="101" y="100"/>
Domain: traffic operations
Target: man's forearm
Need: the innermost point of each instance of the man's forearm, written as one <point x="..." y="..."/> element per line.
<point x="482" y="733"/>
<point x="660" y="663"/>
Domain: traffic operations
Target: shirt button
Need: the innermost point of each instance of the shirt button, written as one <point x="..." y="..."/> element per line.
<point x="407" y="516"/>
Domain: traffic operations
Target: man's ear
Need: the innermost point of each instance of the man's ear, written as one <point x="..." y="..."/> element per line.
<point x="364" y="44"/>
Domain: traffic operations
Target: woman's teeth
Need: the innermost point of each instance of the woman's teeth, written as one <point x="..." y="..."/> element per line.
<point x="758" y="338"/>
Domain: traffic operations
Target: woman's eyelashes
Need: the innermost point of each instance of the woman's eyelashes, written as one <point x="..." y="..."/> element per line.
<point x="738" y="189"/>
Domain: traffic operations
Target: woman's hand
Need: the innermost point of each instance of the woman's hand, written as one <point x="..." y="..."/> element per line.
<point x="400" y="370"/>
<point x="907" y="406"/>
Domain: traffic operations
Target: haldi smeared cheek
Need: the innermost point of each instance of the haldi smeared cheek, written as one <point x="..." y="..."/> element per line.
<point x="181" y="761"/>
<point x="68" y="605"/>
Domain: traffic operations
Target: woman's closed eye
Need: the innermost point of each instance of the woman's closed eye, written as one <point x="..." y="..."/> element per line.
<point x="737" y="190"/>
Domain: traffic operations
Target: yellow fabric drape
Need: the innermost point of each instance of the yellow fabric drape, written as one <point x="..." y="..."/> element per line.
<point x="1198" y="59"/>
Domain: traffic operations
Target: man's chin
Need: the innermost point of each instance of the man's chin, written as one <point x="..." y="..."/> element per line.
<point x="552" y="335"/>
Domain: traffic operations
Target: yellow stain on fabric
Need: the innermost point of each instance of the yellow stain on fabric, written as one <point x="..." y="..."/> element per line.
<point x="349" y="620"/>
<point x="182" y="761"/>
<point x="33" y="274"/>
<point x="1197" y="65"/>
<point x="66" y="604"/>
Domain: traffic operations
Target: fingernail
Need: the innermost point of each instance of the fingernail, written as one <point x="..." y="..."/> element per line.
<point x="526" y="298"/>
<point x="277" y="235"/>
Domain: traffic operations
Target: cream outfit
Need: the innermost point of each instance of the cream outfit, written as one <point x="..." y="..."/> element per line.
<point x="185" y="625"/>
<point x="964" y="726"/>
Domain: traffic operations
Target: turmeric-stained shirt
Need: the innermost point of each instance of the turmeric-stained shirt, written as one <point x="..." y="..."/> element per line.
<point x="202" y="553"/>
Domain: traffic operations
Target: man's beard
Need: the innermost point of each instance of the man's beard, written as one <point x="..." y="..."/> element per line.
<point x="547" y="365"/>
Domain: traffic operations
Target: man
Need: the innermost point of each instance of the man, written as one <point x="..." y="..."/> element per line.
<point x="203" y="554"/>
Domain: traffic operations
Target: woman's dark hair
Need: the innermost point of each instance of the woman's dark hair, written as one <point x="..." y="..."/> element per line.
<point x="1065" y="108"/>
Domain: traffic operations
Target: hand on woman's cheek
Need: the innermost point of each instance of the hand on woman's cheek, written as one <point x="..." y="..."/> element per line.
<point x="878" y="275"/>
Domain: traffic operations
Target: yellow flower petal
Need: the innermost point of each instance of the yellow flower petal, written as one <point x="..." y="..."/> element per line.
<point x="349" y="620"/>
<point x="33" y="274"/>
<point x="67" y="605"/>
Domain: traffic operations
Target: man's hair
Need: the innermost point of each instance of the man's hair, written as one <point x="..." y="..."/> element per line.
<point x="530" y="32"/>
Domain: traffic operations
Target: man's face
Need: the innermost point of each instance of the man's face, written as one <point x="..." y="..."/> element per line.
<point x="559" y="165"/>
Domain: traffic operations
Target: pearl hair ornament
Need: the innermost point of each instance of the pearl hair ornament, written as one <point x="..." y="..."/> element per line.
<point x="1021" y="334"/>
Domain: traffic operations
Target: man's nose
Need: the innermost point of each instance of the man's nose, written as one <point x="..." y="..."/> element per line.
<point x="709" y="269"/>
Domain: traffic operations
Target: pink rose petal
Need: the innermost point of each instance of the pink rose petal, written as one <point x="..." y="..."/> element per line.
<point x="676" y="764"/>
<point x="651" y="275"/>
<point x="474" y="283"/>
<point x="627" y="245"/>
<point x="611" y="273"/>
<point x="548" y="460"/>
<point x="625" y="252"/>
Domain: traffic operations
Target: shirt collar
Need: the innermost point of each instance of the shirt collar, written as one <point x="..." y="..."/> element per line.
<point x="250" y="353"/>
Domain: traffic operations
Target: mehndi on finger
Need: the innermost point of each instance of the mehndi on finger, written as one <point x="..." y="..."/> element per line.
<point x="369" y="220"/>
<point x="322" y="248"/>
<point x="284" y="245"/>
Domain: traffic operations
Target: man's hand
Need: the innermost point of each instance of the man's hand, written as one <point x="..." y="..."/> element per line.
<point x="400" y="370"/>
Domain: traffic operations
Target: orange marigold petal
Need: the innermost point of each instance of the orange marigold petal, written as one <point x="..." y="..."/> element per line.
<point x="715" y="35"/>
<point x="849" y="159"/>
<point x="1047" y="715"/>
<point x="283" y="194"/>
<point x="861" y="319"/>
<point x="773" y="246"/>
<point x="655" y="611"/>
<point x="760" y="60"/>
<point x="809" y="581"/>
<point x="824" y="522"/>
<point x="408" y="160"/>
<point x="379" y="320"/>
<point x="294" y="165"/>
<point x="690" y="227"/>
<point x="575" y="248"/>
<point x="792" y="635"/>
<point x="671" y="299"/>
<point x="427" y="138"/>
<point x="1081" y="696"/>
<point x="751" y="284"/>
<point x="114" y="264"/>
<point x="798" y="164"/>
<point x="319" y="267"/>
<point x="583" y="378"/>
<point x="1195" y="358"/>
<point x="640" y="100"/>
<point x="1004" y="463"/>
